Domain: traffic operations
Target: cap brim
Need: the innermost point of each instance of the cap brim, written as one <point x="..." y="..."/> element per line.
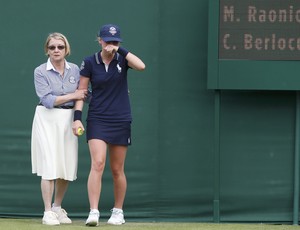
<point x="111" y="39"/>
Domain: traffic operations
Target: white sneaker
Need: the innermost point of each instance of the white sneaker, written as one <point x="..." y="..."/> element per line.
<point x="93" y="219"/>
<point x="50" y="218"/>
<point x="62" y="215"/>
<point x="117" y="217"/>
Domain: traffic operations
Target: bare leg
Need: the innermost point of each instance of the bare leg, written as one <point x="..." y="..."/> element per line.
<point x="98" y="157"/>
<point x="47" y="187"/>
<point x="117" y="155"/>
<point x="61" y="187"/>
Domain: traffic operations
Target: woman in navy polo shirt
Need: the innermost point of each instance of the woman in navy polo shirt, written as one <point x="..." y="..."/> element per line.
<point x="109" y="117"/>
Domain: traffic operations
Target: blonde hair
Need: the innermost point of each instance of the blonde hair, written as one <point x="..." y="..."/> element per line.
<point x="59" y="36"/>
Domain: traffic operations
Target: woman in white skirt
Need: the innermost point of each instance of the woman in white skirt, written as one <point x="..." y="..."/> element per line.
<point x="54" y="147"/>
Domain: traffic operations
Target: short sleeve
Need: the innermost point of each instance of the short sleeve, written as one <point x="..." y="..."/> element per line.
<point x="86" y="68"/>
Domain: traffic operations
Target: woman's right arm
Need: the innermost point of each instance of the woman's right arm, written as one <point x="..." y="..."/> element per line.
<point x="83" y="85"/>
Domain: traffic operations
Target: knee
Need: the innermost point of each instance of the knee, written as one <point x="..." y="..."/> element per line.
<point x="98" y="166"/>
<point x="117" y="172"/>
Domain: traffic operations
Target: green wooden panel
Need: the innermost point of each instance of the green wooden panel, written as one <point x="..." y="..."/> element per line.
<point x="257" y="152"/>
<point x="260" y="75"/>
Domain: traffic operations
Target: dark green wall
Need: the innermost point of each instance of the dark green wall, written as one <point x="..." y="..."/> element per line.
<point x="170" y="166"/>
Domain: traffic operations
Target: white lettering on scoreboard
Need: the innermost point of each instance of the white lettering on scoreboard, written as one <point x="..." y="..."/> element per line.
<point x="259" y="29"/>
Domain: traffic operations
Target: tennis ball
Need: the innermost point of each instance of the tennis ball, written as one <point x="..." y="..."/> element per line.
<point x="79" y="131"/>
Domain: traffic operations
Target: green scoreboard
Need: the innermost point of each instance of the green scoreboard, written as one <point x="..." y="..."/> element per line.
<point x="254" y="44"/>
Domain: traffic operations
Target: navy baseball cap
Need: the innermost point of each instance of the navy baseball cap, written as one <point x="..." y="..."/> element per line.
<point x="110" y="33"/>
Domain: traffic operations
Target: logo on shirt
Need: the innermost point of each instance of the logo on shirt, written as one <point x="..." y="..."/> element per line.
<point x="119" y="68"/>
<point x="72" y="79"/>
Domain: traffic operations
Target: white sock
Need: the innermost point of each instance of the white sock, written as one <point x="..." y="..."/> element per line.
<point x="118" y="209"/>
<point x="95" y="210"/>
<point x="56" y="208"/>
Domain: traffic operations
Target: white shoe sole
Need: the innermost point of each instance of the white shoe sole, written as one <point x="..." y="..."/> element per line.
<point x="65" y="222"/>
<point x="52" y="224"/>
<point x="114" y="223"/>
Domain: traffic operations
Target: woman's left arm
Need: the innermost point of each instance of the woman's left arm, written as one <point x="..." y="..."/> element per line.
<point x="135" y="62"/>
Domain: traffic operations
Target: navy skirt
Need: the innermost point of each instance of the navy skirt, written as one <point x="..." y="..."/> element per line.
<point x="112" y="133"/>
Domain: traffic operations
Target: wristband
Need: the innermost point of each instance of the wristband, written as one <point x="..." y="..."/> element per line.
<point x="123" y="51"/>
<point x="77" y="115"/>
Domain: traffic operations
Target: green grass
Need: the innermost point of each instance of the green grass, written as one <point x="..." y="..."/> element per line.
<point x="35" y="224"/>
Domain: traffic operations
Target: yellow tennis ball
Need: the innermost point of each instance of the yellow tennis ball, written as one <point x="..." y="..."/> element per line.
<point x="79" y="131"/>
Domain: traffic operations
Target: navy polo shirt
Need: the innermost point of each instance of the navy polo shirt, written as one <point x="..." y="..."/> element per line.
<point x="110" y="99"/>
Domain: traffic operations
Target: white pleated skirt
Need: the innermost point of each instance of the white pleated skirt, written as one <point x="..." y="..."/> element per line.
<point x="54" y="147"/>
